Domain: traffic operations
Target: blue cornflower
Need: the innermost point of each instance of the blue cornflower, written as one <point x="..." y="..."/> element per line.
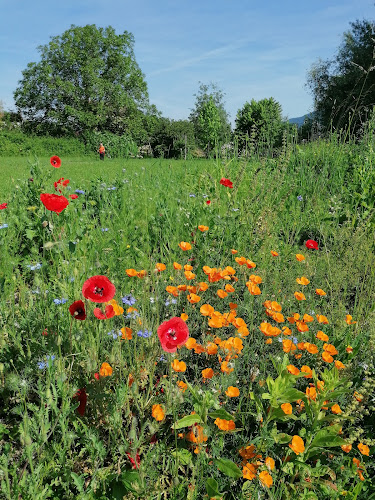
<point x="169" y="302"/>
<point x="111" y="188"/>
<point x="295" y="340"/>
<point x="299" y="198"/>
<point x="104" y="229"/>
<point x="41" y="365"/>
<point x="79" y="191"/>
<point x="3" y="226"/>
<point x="60" y="301"/>
<point x="145" y="334"/>
<point x="192" y="195"/>
<point x="129" y="300"/>
<point x="133" y="315"/>
<point x="162" y="358"/>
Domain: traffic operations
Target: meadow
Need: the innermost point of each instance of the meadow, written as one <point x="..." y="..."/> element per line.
<point x="189" y="329"/>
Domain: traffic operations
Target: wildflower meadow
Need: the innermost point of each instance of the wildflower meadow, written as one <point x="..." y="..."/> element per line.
<point x="199" y="329"/>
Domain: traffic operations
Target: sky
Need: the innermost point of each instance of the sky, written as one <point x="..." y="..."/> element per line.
<point x="249" y="49"/>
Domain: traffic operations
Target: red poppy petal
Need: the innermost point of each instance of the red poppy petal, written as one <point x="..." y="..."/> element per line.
<point x="98" y="313"/>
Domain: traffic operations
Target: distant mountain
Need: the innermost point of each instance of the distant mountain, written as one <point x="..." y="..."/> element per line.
<point x="299" y="120"/>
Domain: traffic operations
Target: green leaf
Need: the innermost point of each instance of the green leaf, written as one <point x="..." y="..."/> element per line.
<point x="30" y="234"/>
<point x="79" y="481"/>
<point x="187" y="421"/>
<point x="228" y="467"/>
<point x="326" y="441"/>
<point x="221" y="413"/>
<point x="291" y="395"/>
<point x="183" y="456"/>
<point x="282" y="438"/>
<point x="212" y="488"/>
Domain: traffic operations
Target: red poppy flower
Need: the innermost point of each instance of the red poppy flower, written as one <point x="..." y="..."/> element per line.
<point x="312" y="245"/>
<point x="54" y="202"/>
<point x="226" y="182"/>
<point x="97" y="376"/>
<point x="98" y="289"/>
<point x="135" y="465"/>
<point x="3" y="205"/>
<point x="73" y="196"/>
<point x="208" y="202"/>
<point x="55" y="161"/>
<point x="77" y="310"/>
<point x="109" y="312"/>
<point x="173" y="333"/>
<point x="61" y="184"/>
<point x="82" y="398"/>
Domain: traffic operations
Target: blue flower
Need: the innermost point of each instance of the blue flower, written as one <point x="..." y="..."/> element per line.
<point x="299" y="198"/>
<point x="192" y="195"/>
<point x="169" y="302"/>
<point x="60" y="301"/>
<point x="129" y="300"/>
<point x="3" y="226"/>
<point x="33" y="268"/>
<point x="104" y="229"/>
<point x="111" y="188"/>
<point x="79" y="191"/>
<point x="133" y="315"/>
<point x="145" y="334"/>
<point x="41" y="365"/>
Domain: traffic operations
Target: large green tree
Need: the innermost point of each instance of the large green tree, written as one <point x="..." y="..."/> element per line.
<point x="87" y="79"/>
<point x="344" y="87"/>
<point x="209" y="117"/>
<point x="260" y="120"/>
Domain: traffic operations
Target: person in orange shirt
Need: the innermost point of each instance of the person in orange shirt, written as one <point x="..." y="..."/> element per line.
<point x="101" y="151"/>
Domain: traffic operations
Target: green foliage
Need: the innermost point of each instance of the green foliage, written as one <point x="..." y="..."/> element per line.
<point x="344" y="87"/>
<point x="262" y="121"/>
<point x="87" y="79"/>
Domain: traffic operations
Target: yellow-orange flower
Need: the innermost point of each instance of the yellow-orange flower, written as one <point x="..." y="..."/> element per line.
<point x="131" y="273"/>
<point x="274" y="253"/>
<point x="225" y="368"/>
<point x="270" y="463"/>
<point x="336" y="409"/>
<point x="232" y="392"/>
<point x="311" y="393"/>
<point x="142" y="273"/>
<point x="330" y="348"/>
<point x="172" y="290"/>
<point x="184" y="317"/>
<point x="203" y="286"/>
<point x="225" y="425"/>
<point x="292" y="369"/>
<point x="105" y="370"/>
<point x="249" y="471"/>
<point x="322" y="336"/>
<point x="188" y="267"/>
<point x="311" y="348"/>
<point x="346" y="447"/>
<point x="229" y="288"/>
<point x="297" y="445"/>
<point x="211" y="348"/>
<point x="203" y="228"/>
<point x="348" y="320"/>
<point x="184" y="245"/>
<point x="176" y="265"/>
<point x="339" y="365"/>
<point x="178" y="366"/>
<point x="320" y="292"/>
<point x="182" y="385"/>
<point x="126" y="333"/>
<point x="157" y="412"/>
<point x="327" y="357"/>
<point x="234" y="251"/>
<point x="193" y="299"/>
<point x="303" y="281"/>
<point x="288" y="345"/>
<point x="253" y="289"/>
<point x="207" y="373"/>
<point x="160" y="267"/>
<point x="257" y="280"/>
<point x="299" y="296"/>
<point x="189" y="275"/>
<point x="206" y="310"/>
<point x="190" y="343"/>
<point x="196" y="435"/>
<point x="322" y="319"/>
<point x="307" y="371"/>
<point x="364" y="449"/>
<point x="266" y="478"/>
<point x="287" y="408"/>
<point x="221" y="293"/>
<point x="300" y="257"/>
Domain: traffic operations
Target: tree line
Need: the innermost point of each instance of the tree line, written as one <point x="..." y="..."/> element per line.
<point x="88" y="83"/>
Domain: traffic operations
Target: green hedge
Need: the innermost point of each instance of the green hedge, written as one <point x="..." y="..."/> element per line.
<point x="17" y="143"/>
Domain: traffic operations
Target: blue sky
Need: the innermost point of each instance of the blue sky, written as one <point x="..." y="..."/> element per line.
<point x="250" y="49"/>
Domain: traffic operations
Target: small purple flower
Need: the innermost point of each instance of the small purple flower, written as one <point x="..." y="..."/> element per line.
<point x="79" y="191"/>
<point x="129" y="300"/>
<point x="299" y="198"/>
<point x="145" y="334"/>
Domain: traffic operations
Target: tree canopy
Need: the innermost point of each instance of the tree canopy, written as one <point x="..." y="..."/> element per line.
<point x="87" y="79"/>
<point x="344" y="87"/>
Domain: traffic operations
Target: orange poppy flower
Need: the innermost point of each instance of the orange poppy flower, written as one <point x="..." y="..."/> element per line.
<point x="274" y="253"/>
<point x="311" y="348"/>
<point x="301" y="326"/>
<point x="206" y="310"/>
<point x="253" y="289"/>
<point x="184" y="245"/>
<point x="178" y="366"/>
<point x="249" y="471"/>
<point x="250" y="264"/>
<point x="131" y="273"/>
<point x="207" y="373"/>
<point x="190" y="343"/>
<point x="300" y="257"/>
<point x="257" y="280"/>
<point x="126" y="333"/>
<point x="220" y="293"/>
<point x="198" y="349"/>
<point x="234" y="251"/>
<point x="172" y="290"/>
<point x="311" y="393"/>
<point x="269" y="341"/>
<point x="320" y="292"/>
<point x="177" y="266"/>
<point x="232" y="392"/>
<point x="106" y="370"/>
<point x="196" y="435"/>
<point x="297" y="445"/>
<point x="188" y="267"/>
<point x="270" y="463"/>
<point x="349" y="349"/>
<point x="203" y="228"/>
<point x="292" y="369"/>
<point x="160" y="267"/>
<point x="348" y="320"/>
<point x="327" y="357"/>
<point x="189" y="275"/>
<point x="287" y="408"/>
<point x="299" y="296"/>
<point x="215" y="322"/>
<point x="336" y="409"/>
<point x="182" y="385"/>
<point x="225" y="368"/>
<point x="225" y="425"/>
<point x="203" y="286"/>
<point x="322" y="336"/>
<point x="141" y="274"/>
<point x="339" y="365"/>
<point x="330" y="348"/>
<point x="307" y="318"/>
<point x="307" y="371"/>
<point x="356" y="462"/>
<point x="182" y="288"/>
<point x="191" y="289"/>
<point x="301" y="346"/>
<point x="287" y="331"/>
<point x="157" y="412"/>
<point x="184" y="317"/>
<point x="265" y="478"/>
<point x="229" y="288"/>
<point x="269" y="330"/>
<point x="193" y="299"/>
<point x="364" y="449"/>
<point x="247" y="452"/>
<point x="303" y="281"/>
<point x="211" y="348"/>
<point x="288" y="345"/>
<point x="322" y="319"/>
<point x="346" y="447"/>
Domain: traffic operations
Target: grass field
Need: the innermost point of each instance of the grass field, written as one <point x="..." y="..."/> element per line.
<point x="272" y="394"/>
